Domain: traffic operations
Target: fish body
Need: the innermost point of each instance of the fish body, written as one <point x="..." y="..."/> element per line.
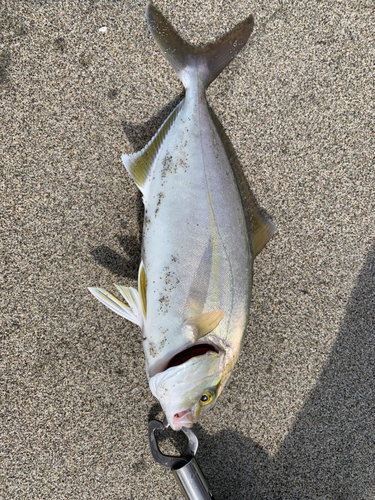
<point x="198" y="247"/>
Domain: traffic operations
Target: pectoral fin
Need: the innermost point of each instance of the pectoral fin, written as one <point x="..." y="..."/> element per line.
<point x="205" y="323"/>
<point x="131" y="312"/>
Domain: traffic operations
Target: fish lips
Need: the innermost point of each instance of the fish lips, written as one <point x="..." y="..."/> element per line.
<point x="184" y="418"/>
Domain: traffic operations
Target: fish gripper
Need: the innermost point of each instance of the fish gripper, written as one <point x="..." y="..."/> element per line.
<point x="185" y="468"/>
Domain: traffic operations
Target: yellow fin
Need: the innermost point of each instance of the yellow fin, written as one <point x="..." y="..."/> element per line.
<point x="108" y="299"/>
<point x="262" y="230"/>
<point x="142" y="288"/>
<point x="139" y="164"/>
<point x="130" y="294"/>
<point x="204" y="323"/>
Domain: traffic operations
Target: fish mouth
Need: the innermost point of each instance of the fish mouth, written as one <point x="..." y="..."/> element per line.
<point x="184" y="356"/>
<point x="191" y="352"/>
<point x="184" y="418"/>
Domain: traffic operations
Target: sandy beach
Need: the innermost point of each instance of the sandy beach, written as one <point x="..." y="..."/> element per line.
<point x="82" y="82"/>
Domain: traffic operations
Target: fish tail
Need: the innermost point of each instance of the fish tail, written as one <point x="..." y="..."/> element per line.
<point x="190" y="62"/>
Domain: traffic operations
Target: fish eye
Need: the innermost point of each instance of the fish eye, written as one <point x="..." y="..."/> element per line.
<point x="206" y="398"/>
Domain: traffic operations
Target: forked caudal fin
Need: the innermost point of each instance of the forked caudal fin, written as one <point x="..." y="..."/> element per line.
<point x="189" y="61"/>
<point x="194" y="66"/>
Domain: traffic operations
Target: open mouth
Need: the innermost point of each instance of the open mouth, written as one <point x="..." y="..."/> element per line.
<point x="191" y="352"/>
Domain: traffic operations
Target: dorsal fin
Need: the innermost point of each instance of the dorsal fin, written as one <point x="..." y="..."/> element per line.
<point x="262" y="228"/>
<point x="139" y="164"/>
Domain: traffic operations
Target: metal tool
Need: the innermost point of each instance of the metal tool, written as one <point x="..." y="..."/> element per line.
<point x="185" y="468"/>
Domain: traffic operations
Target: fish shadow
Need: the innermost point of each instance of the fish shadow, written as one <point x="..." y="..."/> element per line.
<point x="140" y="134"/>
<point x="126" y="266"/>
<point x="330" y="451"/>
<point x="120" y="265"/>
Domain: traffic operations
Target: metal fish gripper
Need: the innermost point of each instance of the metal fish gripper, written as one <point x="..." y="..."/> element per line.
<point x="185" y="468"/>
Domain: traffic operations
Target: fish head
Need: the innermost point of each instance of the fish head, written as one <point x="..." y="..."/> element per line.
<point x="188" y="390"/>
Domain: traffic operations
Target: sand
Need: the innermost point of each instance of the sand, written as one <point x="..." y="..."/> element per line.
<point x="297" y="419"/>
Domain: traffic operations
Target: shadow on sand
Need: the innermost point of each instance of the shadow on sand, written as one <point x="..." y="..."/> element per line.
<point x="330" y="451"/>
<point x="126" y="264"/>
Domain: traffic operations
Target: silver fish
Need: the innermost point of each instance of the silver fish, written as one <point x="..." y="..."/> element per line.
<point x="202" y="231"/>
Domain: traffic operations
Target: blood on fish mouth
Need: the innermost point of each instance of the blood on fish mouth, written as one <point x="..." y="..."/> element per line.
<point x="191" y="352"/>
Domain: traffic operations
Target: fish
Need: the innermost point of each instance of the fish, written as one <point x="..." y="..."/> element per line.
<point x="202" y="231"/>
